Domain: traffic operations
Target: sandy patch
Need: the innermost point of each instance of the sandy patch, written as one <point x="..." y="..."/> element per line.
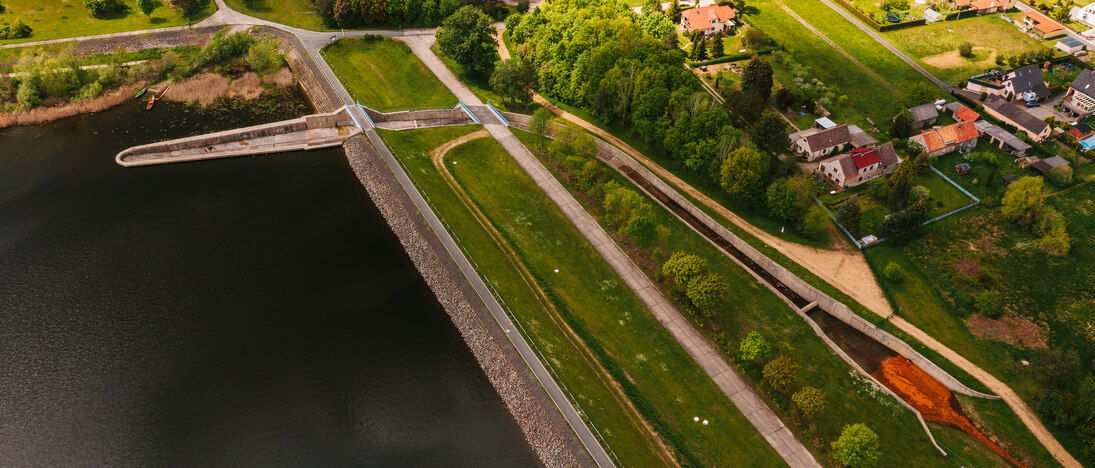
<point x="1016" y="331"/>
<point x="953" y="60"/>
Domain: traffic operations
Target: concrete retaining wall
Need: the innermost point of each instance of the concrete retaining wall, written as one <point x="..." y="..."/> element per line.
<point x="454" y="114"/>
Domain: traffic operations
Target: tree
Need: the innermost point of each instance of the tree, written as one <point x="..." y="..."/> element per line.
<point x="699" y="50"/>
<point x="901" y="123"/>
<point x="146" y="7"/>
<point x="641" y="228"/>
<point x="656" y="24"/>
<point x="345" y="14"/>
<point x="809" y="400"/>
<point x="893" y="273"/>
<point x="780" y="373"/>
<point x="101" y="8"/>
<point x="920" y="192"/>
<point x="754" y="347"/>
<point x="1060" y="176"/>
<point x="716" y="47"/>
<point x="965" y="49"/>
<point x="770" y="133"/>
<point x="262" y="57"/>
<point x="671" y="42"/>
<point x="988" y="303"/>
<point x="849" y="215"/>
<point x="683" y="268"/>
<point x="1023" y="201"/>
<point x="468" y="37"/>
<point x="511" y="81"/>
<point x="756" y="78"/>
<point x="754" y="38"/>
<point x="189" y="8"/>
<point x="814" y="221"/>
<point x="781" y="202"/>
<point x="538" y="123"/>
<point x="28" y="94"/>
<point x="674" y="10"/>
<point x="706" y="291"/>
<point x="744" y="172"/>
<point x="857" y="446"/>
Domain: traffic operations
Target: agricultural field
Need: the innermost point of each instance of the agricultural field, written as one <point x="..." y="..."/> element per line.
<point x="1045" y="300"/>
<point x="56" y="19"/>
<point x="935" y="45"/>
<point x="296" y="13"/>
<point x="385" y="75"/>
<point x="656" y="374"/>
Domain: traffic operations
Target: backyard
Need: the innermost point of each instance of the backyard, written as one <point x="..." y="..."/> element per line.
<point x="944" y="198"/>
<point x="56" y="19"/>
<point x="385" y="75"/>
<point x="936" y="45"/>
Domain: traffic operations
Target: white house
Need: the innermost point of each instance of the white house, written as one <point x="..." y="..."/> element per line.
<point x="709" y="19"/>
<point x="860" y="165"/>
<point x="1080" y="99"/>
<point x="1084" y="15"/>
<point x="814" y="144"/>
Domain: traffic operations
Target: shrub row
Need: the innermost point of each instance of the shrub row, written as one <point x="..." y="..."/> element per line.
<point x="734" y="57"/>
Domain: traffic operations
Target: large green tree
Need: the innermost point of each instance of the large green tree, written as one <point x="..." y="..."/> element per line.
<point x="770" y="133"/>
<point x="706" y="291"/>
<point x="756" y="78"/>
<point x="512" y="81"/>
<point x="190" y="8"/>
<point x="857" y="446"/>
<point x="147" y="6"/>
<point x="744" y="173"/>
<point x="468" y="37"/>
<point x="683" y="267"/>
<point x="1023" y="201"/>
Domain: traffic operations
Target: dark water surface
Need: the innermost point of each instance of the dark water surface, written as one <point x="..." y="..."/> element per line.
<point x="241" y="312"/>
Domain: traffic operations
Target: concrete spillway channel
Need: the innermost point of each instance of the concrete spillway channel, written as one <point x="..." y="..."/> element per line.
<point x="797" y="293"/>
<point x="305" y="133"/>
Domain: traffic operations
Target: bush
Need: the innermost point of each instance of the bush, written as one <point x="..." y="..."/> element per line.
<point x="1060" y="176"/>
<point x="754" y="347"/>
<point x="221" y="48"/>
<point x="16" y="30"/>
<point x="101" y="8"/>
<point x="263" y="58"/>
<point x="920" y="192"/>
<point x="89" y="91"/>
<point x="780" y="373"/>
<point x="809" y="400"/>
<point x="988" y="304"/>
<point x="28" y="95"/>
<point x="966" y="49"/>
<point x="893" y="273"/>
<point x="857" y="446"/>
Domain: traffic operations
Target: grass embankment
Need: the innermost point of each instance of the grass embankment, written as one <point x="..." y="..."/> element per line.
<point x="296" y="13"/>
<point x="479" y="85"/>
<point x="385" y="75"/>
<point x="750" y="306"/>
<point x="1046" y="299"/>
<point x="56" y="19"/>
<point x="658" y="377"/>
<point x="935" y="46"/>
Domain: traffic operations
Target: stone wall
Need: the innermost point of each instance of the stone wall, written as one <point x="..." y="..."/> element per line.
<point x="455" y="115"/>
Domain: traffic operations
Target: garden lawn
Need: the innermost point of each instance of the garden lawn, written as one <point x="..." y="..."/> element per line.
<point x="662" y="380"/>
<point x="296" y="13"/>
<point x="944" y="196"/>
<point x="56" y="19"/>
<point x="935" y="45"/>
<point x="949" y="262"/>
<point x="750" y="306"/>
<point x="385" y="75"/>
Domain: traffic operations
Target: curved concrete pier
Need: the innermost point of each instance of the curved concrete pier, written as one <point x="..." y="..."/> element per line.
<point x="301" y="134"/>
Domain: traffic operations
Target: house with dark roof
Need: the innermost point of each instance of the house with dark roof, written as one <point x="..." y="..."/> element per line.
<point x="960" y="112"/>
<point x="1046" y="165"/>
<point x="1040" y="25"/>
<point x="1080" y="98"/>
<point x="1002" y="139"/>
<point x="859" y="165"/>
<point x="1081" y="131"/>
<point x="814" y="145"/>
<point x="1013" y="115"/>
<point x="960" y="137"/>
<point x="1010" y="85"/>
<point x="709" y="19"/>
<point x="923" y="115"/>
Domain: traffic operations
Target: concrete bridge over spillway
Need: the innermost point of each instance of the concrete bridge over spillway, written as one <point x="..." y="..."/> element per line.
<point x="310" y="132"/>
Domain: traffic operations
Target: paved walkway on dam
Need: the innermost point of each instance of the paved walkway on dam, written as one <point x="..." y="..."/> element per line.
<point x="754" y="409"/>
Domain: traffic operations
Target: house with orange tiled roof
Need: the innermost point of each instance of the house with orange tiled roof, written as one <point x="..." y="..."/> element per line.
<point x="1040" y="25"/>
<point x="709" y="19"/>
<point x="960" y="137"/>
<point x="986" y="6"/>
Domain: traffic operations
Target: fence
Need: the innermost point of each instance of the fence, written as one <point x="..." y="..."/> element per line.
<point x="734" y="57"/>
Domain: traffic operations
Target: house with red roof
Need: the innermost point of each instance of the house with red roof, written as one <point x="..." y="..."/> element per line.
<point x="986" y="6"/>
<point x="859" y="165"/>
<point x="960" y="137"/>
<point x="709" y="19"/>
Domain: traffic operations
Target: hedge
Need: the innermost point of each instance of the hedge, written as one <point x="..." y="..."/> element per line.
<point x="734" y="57"/>
<point x="961" y="15"/>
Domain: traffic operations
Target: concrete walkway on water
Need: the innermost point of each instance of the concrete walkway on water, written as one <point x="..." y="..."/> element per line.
<point x="754" y="409"/>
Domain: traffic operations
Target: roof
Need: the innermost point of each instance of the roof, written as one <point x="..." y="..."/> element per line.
<point x="1020" y="117"/>
<point x="887" y="154"/>
<point x="1042" y="23"/>
<point x="1003" y="135"/>
<point x="864" y="157"/>
<point x="825" y="122"/>
<point x="953" y="106"/>
<point x="1009" y="178"/>
<point x="1084" y="83"/>
<point x="969" y="94"/>
<point x="706" y="17"/>
<point x="1028" y="78"/>
<point x="986" y="4"/>
<point x="1070" y="41"/>
<point x="942" y="137"/>
<point x="924" y="112"/>
<point x="861" y="138"/>
<point x="1048" y="164"/>
<point x="835" y="136"/>
<point x="844" y="164"/>
<point x="965" y="113"/>
<point x="1081" y="127"/>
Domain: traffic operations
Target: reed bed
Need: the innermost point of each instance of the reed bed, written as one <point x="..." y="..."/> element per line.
<point x="247" y="87"/>
<point x="41" y="115"/>
<point x="203" y="89"/>
<point x="283" y="77"/>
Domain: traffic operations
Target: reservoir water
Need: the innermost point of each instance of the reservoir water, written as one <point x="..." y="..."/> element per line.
<point x="242" y="312"/>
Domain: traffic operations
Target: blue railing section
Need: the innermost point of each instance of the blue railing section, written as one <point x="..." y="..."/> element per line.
<point x="499" y="114"/>
<point x="362" y="109"/>
<point x="470" y="114"/>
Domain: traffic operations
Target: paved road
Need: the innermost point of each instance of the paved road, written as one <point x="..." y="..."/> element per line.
<point x="754" y="409"/>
